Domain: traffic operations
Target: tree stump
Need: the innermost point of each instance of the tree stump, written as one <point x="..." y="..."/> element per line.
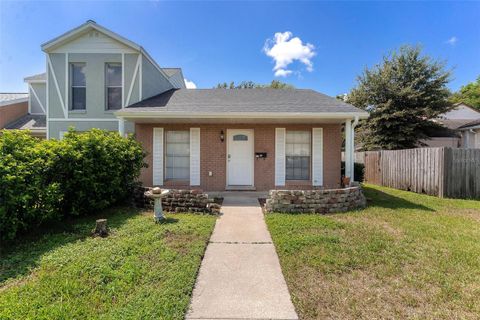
<point x="101" y="228"/>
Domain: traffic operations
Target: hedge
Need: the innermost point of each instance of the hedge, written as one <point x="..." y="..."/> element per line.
<point x="42" y="180"/>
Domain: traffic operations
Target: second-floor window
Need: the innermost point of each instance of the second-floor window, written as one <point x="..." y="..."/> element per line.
<point x="113" y="83"/>
<point x="78" y="86"/>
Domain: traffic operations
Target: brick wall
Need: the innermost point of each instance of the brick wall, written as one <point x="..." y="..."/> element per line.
<point x="213" y="154"/>
<point x="12" y="112"/>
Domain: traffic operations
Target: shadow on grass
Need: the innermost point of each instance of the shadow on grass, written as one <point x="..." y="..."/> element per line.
<point x="20" y="256"/>
<point x="377" y="198"/>
<point x="168" y="221"/>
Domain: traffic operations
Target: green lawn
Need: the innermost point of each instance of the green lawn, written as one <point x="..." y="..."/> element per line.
<point x="142" y="270"/>
<point x="405" y="256"/>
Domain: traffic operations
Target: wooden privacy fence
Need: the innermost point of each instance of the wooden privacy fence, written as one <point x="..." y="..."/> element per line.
<point x="443" y="172"/>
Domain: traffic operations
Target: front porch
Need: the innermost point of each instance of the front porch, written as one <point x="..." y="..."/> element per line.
<point x="250" y="156"/>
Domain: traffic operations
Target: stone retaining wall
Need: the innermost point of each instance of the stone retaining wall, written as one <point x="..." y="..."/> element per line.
<point x="179" y="201"/>
<point x="315" y="201"/>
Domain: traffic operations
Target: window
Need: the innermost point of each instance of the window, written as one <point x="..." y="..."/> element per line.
<point x="78" y="90"/>
<point x="177" y="155"/>
<point x="113" y="84"/>
<point x="240" y="137"/>
<point x="297" y="152"/>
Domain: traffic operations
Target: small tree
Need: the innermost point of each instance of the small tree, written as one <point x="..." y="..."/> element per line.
<point x="469" y="94"/>
<point x="401" y="94"/>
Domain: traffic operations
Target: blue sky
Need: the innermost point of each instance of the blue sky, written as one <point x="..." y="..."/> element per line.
<point x="224" y="41"/>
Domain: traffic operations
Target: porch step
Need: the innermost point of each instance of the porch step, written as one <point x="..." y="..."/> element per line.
<point x="240" y="188"/>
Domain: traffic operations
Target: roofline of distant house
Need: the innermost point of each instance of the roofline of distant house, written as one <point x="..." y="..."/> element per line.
<point x="466" y="105"/>
<point x="243" y="115"/>
<point x="13" y="101"/>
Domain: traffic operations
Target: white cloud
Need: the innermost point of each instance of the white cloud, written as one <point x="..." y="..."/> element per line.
<point x="285" y="50"/>
<point x="282" y="73"/>
<point x="452" y="41"/>
<point x="190" y="84"/>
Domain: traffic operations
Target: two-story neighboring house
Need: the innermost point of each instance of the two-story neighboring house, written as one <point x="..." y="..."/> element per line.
<point x="213" y="139"/>
<point x="91" y="73"/>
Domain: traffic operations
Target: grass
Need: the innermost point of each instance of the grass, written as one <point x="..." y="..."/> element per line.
<point x="142" y="270"/>
<point x="406" y="256"/>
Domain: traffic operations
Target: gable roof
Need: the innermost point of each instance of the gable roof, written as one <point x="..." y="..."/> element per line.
<point x="84" y="28"/>
<point x="11" y="98"/>
<point x="231" y="102"/>
<point x="41" y="77"/>
<point x="92" y="25"/>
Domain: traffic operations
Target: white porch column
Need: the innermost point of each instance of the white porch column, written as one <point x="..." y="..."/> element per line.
<point x="121" y="126"/>
<point x="348" y="149"/>
<point x="352" y="146"/>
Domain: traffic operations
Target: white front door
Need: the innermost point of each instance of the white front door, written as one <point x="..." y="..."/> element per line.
<point x="240" y="157"/>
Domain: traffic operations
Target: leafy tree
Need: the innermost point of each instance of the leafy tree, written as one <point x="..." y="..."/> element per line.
<point x="275" y="84"/>
<point x="401" y="94"/>
<point x="468" y="94"/>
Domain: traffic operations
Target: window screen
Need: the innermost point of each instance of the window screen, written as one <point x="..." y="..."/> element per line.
<point x="177" y="155"/>
<point x="297" y="152"/>
<point x="78" y="88"/>
<point x="113" y="83"/>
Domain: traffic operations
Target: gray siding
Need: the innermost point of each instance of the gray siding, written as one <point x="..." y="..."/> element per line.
<point x="178" y="81"/>
<point x="55" y="127"/>
<point x="41" y="92"/>
<point x="130" y="65"/>
<point x="153" y="82"/>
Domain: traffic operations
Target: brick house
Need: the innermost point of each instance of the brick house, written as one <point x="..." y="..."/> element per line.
<point x="243" y="139"/>
<point x="213" y="139"/>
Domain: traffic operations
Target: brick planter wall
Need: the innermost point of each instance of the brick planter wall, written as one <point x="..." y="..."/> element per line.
<point x="195" y="201"/>
<point x="315" y="201"/>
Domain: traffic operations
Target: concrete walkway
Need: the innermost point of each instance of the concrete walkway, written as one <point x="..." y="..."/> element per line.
<point x="240" y="275"/>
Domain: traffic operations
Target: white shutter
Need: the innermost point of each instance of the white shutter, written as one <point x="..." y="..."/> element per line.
<point x="317" y="156"/>
<point x="194" y="156"/>
<point x="279" y="156"/>
<point x="157" y="161"/>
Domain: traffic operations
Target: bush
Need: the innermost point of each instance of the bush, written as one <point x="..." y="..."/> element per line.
<point x="358" y="171"/>
<point x="43" y="180"/>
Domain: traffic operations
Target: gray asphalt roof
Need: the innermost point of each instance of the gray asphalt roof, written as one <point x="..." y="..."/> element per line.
<point x="40" y="76"/>
<point x="453" y="123"/>
<point x="473" y="123"/>
<point x="30" y="122"/>
<point x="242" y="100"/>
<point x="7" y="97"/>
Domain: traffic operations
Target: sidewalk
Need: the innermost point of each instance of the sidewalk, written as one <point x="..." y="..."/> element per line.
<point x="240" y="275"/>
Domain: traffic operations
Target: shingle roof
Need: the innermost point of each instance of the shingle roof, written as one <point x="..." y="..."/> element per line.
<point x="10" y="98"/>
<point x="453" y="124"/>
<point x="30" y="122"/>
<point x="473" y="123"/>
<point x="242" y="100"/>
<point x="171" y="71"/>
<point x="37" y="77"/>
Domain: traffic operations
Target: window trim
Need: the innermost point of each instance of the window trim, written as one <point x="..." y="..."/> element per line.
<point x="106" y="86"/>
<point x="71" y="87"/>
<point x="309" y="162"/>
<point x="165" y="143"/>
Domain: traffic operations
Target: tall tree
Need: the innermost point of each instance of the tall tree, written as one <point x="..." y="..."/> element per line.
<point x="275" y="84"/>
<point x="401" y="94"/>
<point x="468" y="94"/>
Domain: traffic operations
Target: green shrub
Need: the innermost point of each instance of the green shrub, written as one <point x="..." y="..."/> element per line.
<point x="43" y="180"/>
